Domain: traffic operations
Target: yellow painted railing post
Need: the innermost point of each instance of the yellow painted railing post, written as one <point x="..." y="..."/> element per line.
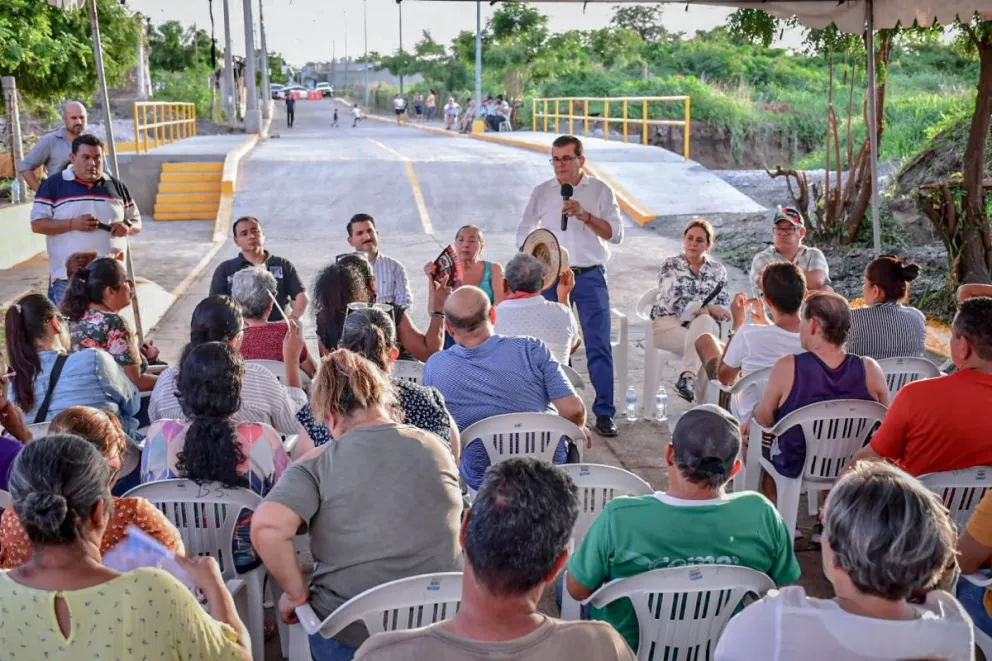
<point x="134" y="114"/>
<point x="606" y="118"/>
<point x="159" y="130"/>
<point x="688" y="127"/>
<point x="545" y="115"/>
<point x="625" y="120"/>
<point x="571" y="117"/>
<point x="557" y="116"/>
<point x="585" y="121"/>
<point x="193" y="115"/>
<point x="533" y="116"/>
<point x="644" y="122"/>
<point x="144" y="123"/>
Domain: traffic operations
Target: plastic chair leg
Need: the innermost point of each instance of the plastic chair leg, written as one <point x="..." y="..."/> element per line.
<point x="812" y="501"/>
<point x="299" y="644"/>
<point x="254" y="583"/>
<point x="787" y="499"/>
<point x="752" y="476"/>
<point x="652" y="376"/>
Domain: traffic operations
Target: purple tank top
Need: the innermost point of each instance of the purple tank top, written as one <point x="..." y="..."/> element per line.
<point x="815" y="382"/>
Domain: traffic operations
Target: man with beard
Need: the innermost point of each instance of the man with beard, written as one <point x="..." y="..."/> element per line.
<point x="53" y="149"/>
<point x="390" y="276"/>
<point x="248" y="236"/>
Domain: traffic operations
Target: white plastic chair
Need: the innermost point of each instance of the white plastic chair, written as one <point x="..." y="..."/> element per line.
<point x="834" y="431"/>
<point x="39" y="429"/>
<point x="682" y="611"/>
<point x="982" y="639"/>
<point x="408" y="370"/>
<point x="621" y="353"/>
<point x="597" y="484"/>
<point x="506" y="127"/>
<point x="395" y="606"/>
<point x="574" y="377"/>
<point x="206" y="516"/>
<point x="900" y="371"/>
<point x="278" y="369"/>
<point x="523" y="435"/>
<point x="960" y="490"/>
<point x="5" y="499"/>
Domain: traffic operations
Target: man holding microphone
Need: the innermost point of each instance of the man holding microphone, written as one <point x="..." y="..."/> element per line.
<point x="583" y="225"/>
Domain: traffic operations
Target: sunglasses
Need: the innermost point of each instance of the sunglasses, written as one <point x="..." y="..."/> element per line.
<point x="354" y="307"/>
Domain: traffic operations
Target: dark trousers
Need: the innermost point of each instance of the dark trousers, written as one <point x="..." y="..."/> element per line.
<point x="591" y="298"/>
<point x="494" y="121"/>
<point x="290" y="116"/>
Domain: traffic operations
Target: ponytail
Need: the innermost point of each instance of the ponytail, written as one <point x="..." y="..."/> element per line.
<point x="88" y="285"/>
<point x="26" y="322"/>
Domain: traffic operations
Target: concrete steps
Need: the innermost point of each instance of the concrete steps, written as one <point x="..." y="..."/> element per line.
<point x="188" y="191"/>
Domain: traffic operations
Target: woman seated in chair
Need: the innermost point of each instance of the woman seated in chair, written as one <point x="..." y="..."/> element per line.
<point x="692" y="298"/>
<point x="96" y="294"/>
<point x="263" y="398"/>
<point x="349" y="284"/>
<point x="48" y="379"/>
<point x="885" y="327"/>
<point x="208" y="446"/>
<point x="64" y="603"/>
<point x="886" y="539"/>
<point x="104" y="432"/>
<point x="381" y="502"/>
<point x="974" y="555"/>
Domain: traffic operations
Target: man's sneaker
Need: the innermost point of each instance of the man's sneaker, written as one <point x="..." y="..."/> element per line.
<point x="685" y="387"/>
<point x="606" y="426"/>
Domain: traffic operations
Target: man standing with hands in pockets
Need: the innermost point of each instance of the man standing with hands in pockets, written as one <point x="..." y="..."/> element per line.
<point x="593" y="220"/>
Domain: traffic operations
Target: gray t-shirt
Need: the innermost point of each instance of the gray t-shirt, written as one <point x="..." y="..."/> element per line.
<point x="553" y="640"/>
<point x="381" y="503"/>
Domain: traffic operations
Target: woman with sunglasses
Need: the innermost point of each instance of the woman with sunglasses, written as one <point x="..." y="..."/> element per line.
<point x="104" y="432"/>
<point x="349" y="284"/>
<point x="49" y="379"/>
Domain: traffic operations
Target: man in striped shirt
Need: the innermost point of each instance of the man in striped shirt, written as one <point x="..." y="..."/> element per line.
<point x="391" y="284"/>
<point x="82" y="209"/>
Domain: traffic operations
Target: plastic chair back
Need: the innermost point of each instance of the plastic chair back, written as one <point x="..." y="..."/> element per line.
<point x="408" y="370"/>
<point x="39" y="429"/>
<point x="574" y="378"/>
<point x="960" y="490"/>
<point x="5" y="499"/>
<point x="408" y="603"/>
<point x="278" y="369"/>
<point x="522" y="435"/>
<point x="598" y="484"/>
<point x="645" y="303"/>
<point x="758" y="380"/>
<point x="205" y="515"/>
<point x="682" y="611"/>
<point x="900" y="371"/>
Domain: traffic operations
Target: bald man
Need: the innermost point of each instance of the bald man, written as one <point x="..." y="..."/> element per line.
<point x="486" y="374"/>
<point x="53" y="149"/>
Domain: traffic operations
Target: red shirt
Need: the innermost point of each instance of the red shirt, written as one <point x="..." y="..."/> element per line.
<point x="940" y="424"/>
<point x="265" y="342"/>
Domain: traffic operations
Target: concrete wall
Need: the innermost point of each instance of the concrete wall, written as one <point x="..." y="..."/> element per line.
<point x="19" y="242"/>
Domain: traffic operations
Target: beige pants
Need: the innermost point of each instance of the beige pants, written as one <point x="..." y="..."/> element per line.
<point x="671" y="336"/>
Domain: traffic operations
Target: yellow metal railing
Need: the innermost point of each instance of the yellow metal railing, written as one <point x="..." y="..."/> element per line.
<point x="551" y="109"/>
<point x="158" y="123"/>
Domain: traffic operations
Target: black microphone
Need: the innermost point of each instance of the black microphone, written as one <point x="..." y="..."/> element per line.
<point x="566" y="195"/>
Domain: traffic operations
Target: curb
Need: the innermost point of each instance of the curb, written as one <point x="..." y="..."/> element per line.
<point x="633" y="207"/>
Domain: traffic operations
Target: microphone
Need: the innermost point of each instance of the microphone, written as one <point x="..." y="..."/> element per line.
<point x="566" y="195"/>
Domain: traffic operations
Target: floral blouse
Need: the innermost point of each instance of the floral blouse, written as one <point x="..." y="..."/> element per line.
<point x="678" y="286"/>
<point x="108" y="331"/>
<point x="15" y="547"/>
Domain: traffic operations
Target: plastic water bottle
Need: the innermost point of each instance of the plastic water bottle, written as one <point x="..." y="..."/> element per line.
<point x="631" y="400"/>
<point x="661" y="405"/>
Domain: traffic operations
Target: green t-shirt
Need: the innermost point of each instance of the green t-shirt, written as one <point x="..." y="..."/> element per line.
<point x="635" y="535"/>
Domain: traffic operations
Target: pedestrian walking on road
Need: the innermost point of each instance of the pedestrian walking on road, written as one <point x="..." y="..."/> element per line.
<point x="335" y="125"/>
<point x="53" y="149"/>
<point x="356" y="112"/>
<point x="290" y="109"/>
<point x="431" y="105"/>
<point x="593" y="221"/>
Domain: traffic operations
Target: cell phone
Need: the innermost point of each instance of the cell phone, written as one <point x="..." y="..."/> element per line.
<point x="104" y="226"/>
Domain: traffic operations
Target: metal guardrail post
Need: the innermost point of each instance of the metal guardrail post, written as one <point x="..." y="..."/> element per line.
<point x="571" y="118"/>
<point x="606" y="118"/>
<point x="688" y="127"/>
<point x="644" y="122"/>
<point x="545" y="115"/>
<point x="625" y="120"/>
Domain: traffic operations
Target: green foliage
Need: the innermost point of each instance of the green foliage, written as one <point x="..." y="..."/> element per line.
<point x="276" y="62"/>
<point x="189" y="86"/>
<point x="174" y="48"/>
<point x="642" y="20"/>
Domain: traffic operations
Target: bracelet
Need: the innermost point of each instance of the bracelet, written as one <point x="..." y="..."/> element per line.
<point x="437" y="313"/>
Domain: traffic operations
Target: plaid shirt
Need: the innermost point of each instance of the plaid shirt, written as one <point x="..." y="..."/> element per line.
<point x="678" y="286"/>
<point x="808" y="259"/>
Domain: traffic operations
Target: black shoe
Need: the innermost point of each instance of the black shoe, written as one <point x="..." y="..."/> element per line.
<point x="816" y="540"/>
<point x="686" y="388"/>
<point x="605" y="426"/>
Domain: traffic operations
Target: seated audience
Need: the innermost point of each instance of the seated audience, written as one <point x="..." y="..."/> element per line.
<point x="941" y="424"/>
<point x="66" y="604"/>
<point x="824" y="372"/>
<point x="15" y="429"/>
<point x="209" y="446"/>
<point x="523" y="504"/>
<point x="468" y="116"/>
<point x="487" y="375"/>
<point x="263" y="398"/>
<point x="48" y="379"/>
<point x="975" y="554"/>
<point x="96" y="294"/>
<point x="381" y="503"/>
<point x="525" y="312"/>
<point x="885" y="328"/>
<point x="692" y="298"/>
<point x="758" y="344"/>
<point x="348" y="284"/>
<point x="695" y="521"/>
<point x="886" y="537"/>
<point x="254" y="289"/>
<point x="790" y="230"/>
<point x="104" y="432"/>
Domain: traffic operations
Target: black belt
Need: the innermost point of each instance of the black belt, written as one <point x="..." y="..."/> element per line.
<point x="579" y="270"/>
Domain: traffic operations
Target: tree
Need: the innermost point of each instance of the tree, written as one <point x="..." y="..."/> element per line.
<point x="175" y="48"/>
<point x="643" y="20"/>
<point x="519" y="34"/>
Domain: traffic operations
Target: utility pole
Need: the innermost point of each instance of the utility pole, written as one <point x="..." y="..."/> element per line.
<point x="346" y="63"/>
<point x="266" y="89"/>
<point x="365" y="22"/>
<point x="16" y="148"/>
<point x="399" y="6"/>
<point x="253" y="118"/>
<point x="478" y="58"/>
<point x="231" y="98"/>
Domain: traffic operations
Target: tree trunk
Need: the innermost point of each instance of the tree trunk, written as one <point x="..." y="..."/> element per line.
<point x="976" y="248"/>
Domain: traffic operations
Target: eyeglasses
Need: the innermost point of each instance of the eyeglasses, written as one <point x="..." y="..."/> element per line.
<point x="786" y="230"/>
<point x="355" y="307"/>
<point x="564" y="159"/>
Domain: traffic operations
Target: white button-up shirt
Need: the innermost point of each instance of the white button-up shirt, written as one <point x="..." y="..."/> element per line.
<point x="585" y="247"/>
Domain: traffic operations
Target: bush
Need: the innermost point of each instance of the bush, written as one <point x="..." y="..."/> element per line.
<point x="192" y="86"/>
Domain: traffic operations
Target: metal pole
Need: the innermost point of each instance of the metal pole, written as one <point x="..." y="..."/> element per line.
<point x="231" y="98"/>
<point x="346" y="63"/>
<point x="478" y="59"/>
<point x="266" y="89"/>
<point x="399" y="5"/>
<point x="873" y="129"/>
<point x="14" y="121"/>
<point x="253" y="118"/>
<point x="365" y="27"/>
<point x="109" y="125"/>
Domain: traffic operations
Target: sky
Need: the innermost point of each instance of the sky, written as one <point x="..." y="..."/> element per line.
<point x="316" y="30"/>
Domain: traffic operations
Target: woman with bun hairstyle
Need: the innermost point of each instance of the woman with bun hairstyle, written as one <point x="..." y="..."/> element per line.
<point x="885" y="327"/>
<point x="65" y="604"/>
<point x="104" y="432"/>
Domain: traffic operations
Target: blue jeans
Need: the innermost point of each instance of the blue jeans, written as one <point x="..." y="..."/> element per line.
<point x="56" y="290"/>
<point x="328" y="649"/>
<point x="972" y="598"/>
<point x="591" y="299"/>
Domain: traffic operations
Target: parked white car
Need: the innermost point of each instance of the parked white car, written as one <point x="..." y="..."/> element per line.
<point x="325" y="89"/>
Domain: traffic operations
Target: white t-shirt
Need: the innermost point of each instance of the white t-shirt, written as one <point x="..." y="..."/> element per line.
<point x="398" y="104"/>
<point x="756" y="347"/>
<point x="535" y="316"/>
<point x="356" y="111"/>
<point x="787" y="625"/>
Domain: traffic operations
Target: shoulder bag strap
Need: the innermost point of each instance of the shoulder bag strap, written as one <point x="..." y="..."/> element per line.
<point x="53" y="379"/>
<point x="713" y="294"/>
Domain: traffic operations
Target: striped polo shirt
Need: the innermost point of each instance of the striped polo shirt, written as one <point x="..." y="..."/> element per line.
<point x="887" y="330"/>
<point x="65" y="196"/>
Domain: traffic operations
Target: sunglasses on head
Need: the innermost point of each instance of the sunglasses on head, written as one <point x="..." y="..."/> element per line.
<point x="354" y="307"/>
